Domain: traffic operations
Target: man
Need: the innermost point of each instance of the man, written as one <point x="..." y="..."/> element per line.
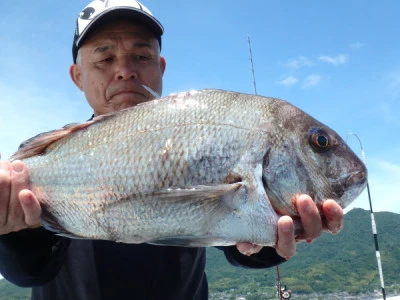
<point x="116" y="49"/>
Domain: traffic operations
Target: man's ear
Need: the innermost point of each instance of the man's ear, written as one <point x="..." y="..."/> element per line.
<point x="76" y="75"/>
<point x="163" y="64"/>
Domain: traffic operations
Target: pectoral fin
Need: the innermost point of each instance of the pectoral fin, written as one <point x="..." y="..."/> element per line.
<point x="178" y="216"/>
<point x="220" y="194"/>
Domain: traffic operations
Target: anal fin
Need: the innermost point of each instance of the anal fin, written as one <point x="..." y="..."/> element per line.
<point x="192" y="241"/>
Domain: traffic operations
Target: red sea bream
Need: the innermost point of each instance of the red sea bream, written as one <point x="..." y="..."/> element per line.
<point x="197" y="168"/>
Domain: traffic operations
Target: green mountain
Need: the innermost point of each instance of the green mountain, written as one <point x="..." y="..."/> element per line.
<point x="9" y="291"/>
<point x="331" y="264"/>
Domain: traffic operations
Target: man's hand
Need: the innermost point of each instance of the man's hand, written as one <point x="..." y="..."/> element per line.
<point x="19" y="208"/>
<point x="311" y="222"/>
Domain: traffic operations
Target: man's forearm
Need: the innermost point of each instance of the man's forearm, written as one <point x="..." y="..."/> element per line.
<point x="31" y="257"/>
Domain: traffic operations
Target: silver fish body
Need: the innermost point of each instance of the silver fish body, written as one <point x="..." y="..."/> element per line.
<point x="197" y="168"/>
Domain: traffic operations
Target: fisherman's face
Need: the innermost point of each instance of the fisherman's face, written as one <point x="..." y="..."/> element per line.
<point x="114" y="62"/>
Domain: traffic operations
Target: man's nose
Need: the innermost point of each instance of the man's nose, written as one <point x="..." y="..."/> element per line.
<point x="126" y="69"/>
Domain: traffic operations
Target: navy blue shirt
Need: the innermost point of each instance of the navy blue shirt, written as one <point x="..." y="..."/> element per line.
<point x="62" y="268"/>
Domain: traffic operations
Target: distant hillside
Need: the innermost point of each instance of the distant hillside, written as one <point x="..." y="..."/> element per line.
<point x="345" y="262"/>
<point x="9" y="291"/>
<point x="330" y="264"/>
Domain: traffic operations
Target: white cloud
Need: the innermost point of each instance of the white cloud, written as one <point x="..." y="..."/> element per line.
<point x="356" y="45"/>
<point x="298" y="62"/>
<point x="341" y="59"/>
<point x="393" y="89"/>
<point x="389" y="113"/>
<point x="390" y="167"/>
<point x="288" y="81"/>
<point x="394" y="80"/>
<point x="311" y="80"/>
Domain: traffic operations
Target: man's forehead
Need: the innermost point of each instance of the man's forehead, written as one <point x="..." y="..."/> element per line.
<point x="111" y="39"/>
<point x="118" y="30"/>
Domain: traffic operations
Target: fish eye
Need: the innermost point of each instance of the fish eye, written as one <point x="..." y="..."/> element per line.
<point x="320" y="140"/>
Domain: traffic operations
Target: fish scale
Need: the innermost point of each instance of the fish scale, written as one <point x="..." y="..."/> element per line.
<point x="198" y="168"/>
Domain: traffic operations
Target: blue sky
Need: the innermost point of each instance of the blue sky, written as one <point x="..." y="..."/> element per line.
<point x="337" y="60"/>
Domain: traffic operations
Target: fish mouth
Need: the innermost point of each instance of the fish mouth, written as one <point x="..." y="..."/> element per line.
<point x="352" y="186"/>
<point x="356" y="179"/>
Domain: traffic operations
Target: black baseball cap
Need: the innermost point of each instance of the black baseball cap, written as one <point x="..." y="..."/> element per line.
<point x="100" y="11"/>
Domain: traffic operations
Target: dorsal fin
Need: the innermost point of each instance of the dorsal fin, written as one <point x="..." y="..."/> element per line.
<point x="39" y="143"/>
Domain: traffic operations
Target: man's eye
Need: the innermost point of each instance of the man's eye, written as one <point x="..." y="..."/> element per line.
<point x="142" y="58"/>
<point x="108" y="59"/>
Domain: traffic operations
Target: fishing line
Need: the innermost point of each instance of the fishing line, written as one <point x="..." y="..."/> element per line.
<point x="374" y="231"/>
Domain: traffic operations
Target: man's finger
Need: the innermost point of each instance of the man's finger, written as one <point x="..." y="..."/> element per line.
<point x="5" y="173"/>
<point x="286" y="244"/>
<point x="310" y="218"/>
<point x="248" y="248"/>
<point x="19" y="181"/>
<point x="31" y="208"/>
<point x="334" y="216"/>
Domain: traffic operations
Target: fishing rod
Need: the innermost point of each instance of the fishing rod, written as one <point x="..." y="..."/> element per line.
<point x="278" y="276"/>
<point x="374" y="231"/>
<point x="252" y="65"/>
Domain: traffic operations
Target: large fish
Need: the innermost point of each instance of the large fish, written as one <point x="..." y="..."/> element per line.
<point x="197" y="168"/>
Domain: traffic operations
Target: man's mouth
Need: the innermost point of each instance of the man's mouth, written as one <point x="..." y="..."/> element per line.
<point x="130" y="92"/>
<point x="131" y="89"/>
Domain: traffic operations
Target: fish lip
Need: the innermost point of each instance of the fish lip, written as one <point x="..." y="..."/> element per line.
<point x="353" y="182"/>
<point x="358" y="178"/>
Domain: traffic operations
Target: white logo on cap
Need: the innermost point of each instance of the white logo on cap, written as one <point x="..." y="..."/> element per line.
<point x="98" y="6"/>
